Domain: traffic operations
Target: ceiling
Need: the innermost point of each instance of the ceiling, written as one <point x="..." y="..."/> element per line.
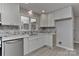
<point x="48" y="7"/>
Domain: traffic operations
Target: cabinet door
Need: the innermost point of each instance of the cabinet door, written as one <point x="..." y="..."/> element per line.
<point x="63" y="13"/>
<point x="33" y="44"/>
<point x="40" y="42"/>
<point x="48" y="40"/>
<point x="51" y="22"/>
<point x="26" y="46"/>
<point x="10" y="14"/>
<point x="43" y="20"/>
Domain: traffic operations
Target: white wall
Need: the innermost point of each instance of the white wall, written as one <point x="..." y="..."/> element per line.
<point x="64" y="33"/>
<point x="76" y="29"/>
<point x="10" y="14"/>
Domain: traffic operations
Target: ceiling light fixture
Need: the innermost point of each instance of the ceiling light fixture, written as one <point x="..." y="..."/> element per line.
<point x="43" y="11"/>
<point x="30" y="12"/>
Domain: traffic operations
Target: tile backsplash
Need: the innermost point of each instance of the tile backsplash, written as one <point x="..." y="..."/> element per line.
<point x="6" y="30"/>
<point x="9" y="27"/>
<point x="47" y="29"/>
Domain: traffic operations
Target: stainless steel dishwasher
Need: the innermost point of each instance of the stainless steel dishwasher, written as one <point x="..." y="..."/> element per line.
<point x="13" y="47"/>
<point x="0" y="46"/>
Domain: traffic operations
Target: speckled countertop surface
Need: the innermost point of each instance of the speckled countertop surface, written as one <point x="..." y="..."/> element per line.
<point x="14" y="37"/>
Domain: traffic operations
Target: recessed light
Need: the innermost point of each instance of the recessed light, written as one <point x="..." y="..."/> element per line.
<point x="26" y="3"/>
<point x="43" y="11"/>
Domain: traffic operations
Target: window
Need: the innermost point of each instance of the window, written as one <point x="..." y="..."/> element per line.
<point x="25" y="23"/>
<point x="33" y="24"/>
<point x="25" y="20"/>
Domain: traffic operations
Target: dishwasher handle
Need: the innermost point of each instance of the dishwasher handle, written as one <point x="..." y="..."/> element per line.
<point x="12" y="41"/>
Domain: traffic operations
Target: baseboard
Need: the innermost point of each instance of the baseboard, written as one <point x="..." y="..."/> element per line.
<point x="34" y="50"/>
<point x="65" y="47"/>
<point x="76" y="42"/>
<point x="49" y="46"/>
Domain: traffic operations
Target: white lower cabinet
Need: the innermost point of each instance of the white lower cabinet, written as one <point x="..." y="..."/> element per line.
<point x="33" y="44"/>
<point x="46" y="39"/>
<point x="26" y="46"/>
<point x="49" y="40"/>
<point x="41" y="42"/>
<point x="36" y="42"/>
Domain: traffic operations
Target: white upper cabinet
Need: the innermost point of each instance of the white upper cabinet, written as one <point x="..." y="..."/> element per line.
<point x="63" y="13"/>
<point x="10" y="14"/>
<point x="43" y="20"/>
<point x="51" y="22"/>
<point x="47" y="20"/>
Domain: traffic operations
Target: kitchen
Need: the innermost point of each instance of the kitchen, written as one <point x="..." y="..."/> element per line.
<point x="27" y="28"/>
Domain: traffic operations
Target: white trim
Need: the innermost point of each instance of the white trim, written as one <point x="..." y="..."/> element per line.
<point x="76" y="42"/>
<point x="65" y="47"/>
<point x="0" y="45"/>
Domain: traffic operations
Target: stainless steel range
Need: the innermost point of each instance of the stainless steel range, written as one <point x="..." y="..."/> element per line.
<point x="0" y="46"/>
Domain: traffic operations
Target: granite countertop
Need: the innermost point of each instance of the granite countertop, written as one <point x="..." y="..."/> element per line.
<point x="47" y="33"/>
<point x="11" y="37"/>
<point x="14" y="37"/>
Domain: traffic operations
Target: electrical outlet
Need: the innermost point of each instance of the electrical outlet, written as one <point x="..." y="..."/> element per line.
<point x="60" y="42"/>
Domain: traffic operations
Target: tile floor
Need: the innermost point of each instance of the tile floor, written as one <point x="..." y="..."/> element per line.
<point x="57" y="51"/>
